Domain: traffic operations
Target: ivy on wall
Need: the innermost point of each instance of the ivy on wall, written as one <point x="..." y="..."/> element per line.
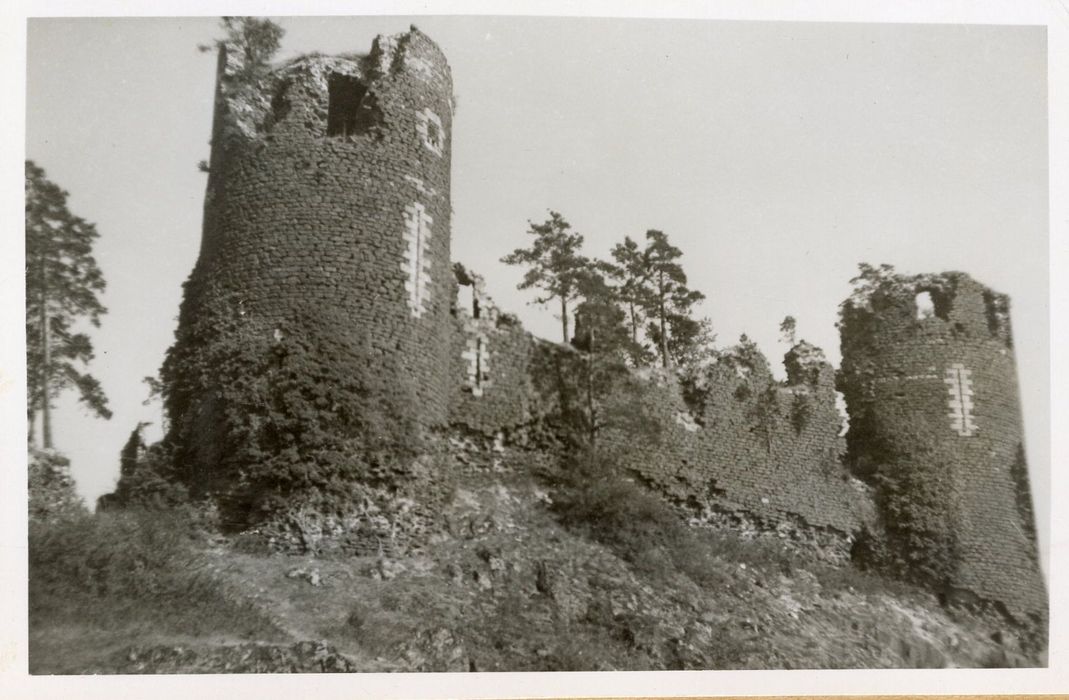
<point x="273" y="412"/>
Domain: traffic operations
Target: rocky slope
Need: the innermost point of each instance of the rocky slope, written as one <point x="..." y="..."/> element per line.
<point x="507" y="585"/>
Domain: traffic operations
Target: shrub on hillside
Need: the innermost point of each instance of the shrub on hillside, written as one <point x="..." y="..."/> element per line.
<point x="595" y="498"/>
<point x="641" y="527"/>
<point x="51" y="487"/>
<point x="147" y="481"/>
<point x="133" y="567"/>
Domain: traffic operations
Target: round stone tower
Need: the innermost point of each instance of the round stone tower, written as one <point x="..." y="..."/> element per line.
<point x="930" y="384"/>
<point x="328" y="188"/>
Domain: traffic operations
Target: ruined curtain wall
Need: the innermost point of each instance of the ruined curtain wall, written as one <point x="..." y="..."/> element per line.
<point x="749" y="450"/>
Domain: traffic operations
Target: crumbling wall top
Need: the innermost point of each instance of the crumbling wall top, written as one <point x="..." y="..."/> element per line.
<point x="949" y="304"/>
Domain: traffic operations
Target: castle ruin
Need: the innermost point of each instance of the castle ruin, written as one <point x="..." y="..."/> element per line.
<point x="329" y="187"/>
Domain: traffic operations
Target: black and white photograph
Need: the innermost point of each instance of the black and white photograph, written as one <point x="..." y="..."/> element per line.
<point x="420" y="342"/>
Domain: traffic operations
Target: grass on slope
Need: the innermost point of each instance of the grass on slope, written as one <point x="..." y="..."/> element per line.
<point x="123" y="577"/>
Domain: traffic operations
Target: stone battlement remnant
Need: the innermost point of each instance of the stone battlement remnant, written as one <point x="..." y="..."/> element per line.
<point x="329" y="195"/>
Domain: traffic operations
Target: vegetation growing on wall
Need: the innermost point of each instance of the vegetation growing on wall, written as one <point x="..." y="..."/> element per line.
<point x="275" y="413"/>
<point x="915" y="498"/>
<point x="257" y="39"/>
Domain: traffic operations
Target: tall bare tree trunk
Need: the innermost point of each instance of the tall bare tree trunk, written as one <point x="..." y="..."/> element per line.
<point x="46" y="365"/>
<point x="564" y="316"/>
<point x="634" y="323"/>
<point x="664" y="328"/>
<point x="590" y="407"/>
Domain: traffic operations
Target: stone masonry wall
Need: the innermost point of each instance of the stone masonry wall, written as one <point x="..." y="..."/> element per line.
<point x="329" y="187"/>
<point x="935" y="419"/>
<point x="745" y="448"/>
<point x="491" y="357"/>
<point x="733" y="445"/>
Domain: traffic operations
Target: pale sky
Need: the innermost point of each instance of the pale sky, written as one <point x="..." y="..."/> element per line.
<point x="776" y="155"/>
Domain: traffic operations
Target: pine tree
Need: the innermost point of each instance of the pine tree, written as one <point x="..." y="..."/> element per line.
<point x="630" y="271"/>
<point x="555" y="265"/>
<point x="670" y="302"/>
<point x="788" y="330"/>
<point x="62" y="287"/>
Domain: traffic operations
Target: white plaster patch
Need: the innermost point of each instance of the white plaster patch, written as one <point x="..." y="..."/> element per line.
<point x="420" y="187"/>
<point x="959" y="386"/>
<point x="417" y="263"/>
<point x="430" y="130"/>
<point x="687" y="421"/>
<point x="420" y="66"/>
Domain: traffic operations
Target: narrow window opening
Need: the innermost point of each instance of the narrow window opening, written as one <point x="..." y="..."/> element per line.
<point x="480" y="349"/>
<point x="434" y="135"/>
<point x="343" y="113"/>
<point x="474" y="306"/>
<point x="925" y="305"/>
<point x="280" y="106"/>
<point x="465" y="296"/>
<point x="997" y="309"/>
<point x="431" y="131"/>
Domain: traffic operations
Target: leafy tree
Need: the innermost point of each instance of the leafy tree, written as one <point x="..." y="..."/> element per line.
<point x="746" y="358"/>
<point x="133" y="451"/>
<point x="871" y="286"/>
<point x="788" y="330"/>
<point x="689" y="342"/>
<point x="62" y="287"/>
<point x="670" y="295"/>
<point x="258" y="38"/>
<point x="555" y="266"/>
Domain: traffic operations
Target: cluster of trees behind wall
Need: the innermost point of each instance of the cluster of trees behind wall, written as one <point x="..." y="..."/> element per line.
<point x="632" y="310"/>
<point x="636" y="305"/>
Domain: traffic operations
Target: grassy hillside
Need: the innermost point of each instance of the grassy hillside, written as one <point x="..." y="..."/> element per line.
<point x="533" y="570"/>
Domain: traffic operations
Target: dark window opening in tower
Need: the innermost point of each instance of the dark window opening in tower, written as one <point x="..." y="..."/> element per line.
<point x="343" y="114"/>
<point x="434" y="135"/>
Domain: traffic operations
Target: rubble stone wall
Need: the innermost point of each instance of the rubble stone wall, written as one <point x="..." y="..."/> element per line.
<point x="491" y="364"/>
<point x="740" y="446"/>
<point x="733" y="445"/>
